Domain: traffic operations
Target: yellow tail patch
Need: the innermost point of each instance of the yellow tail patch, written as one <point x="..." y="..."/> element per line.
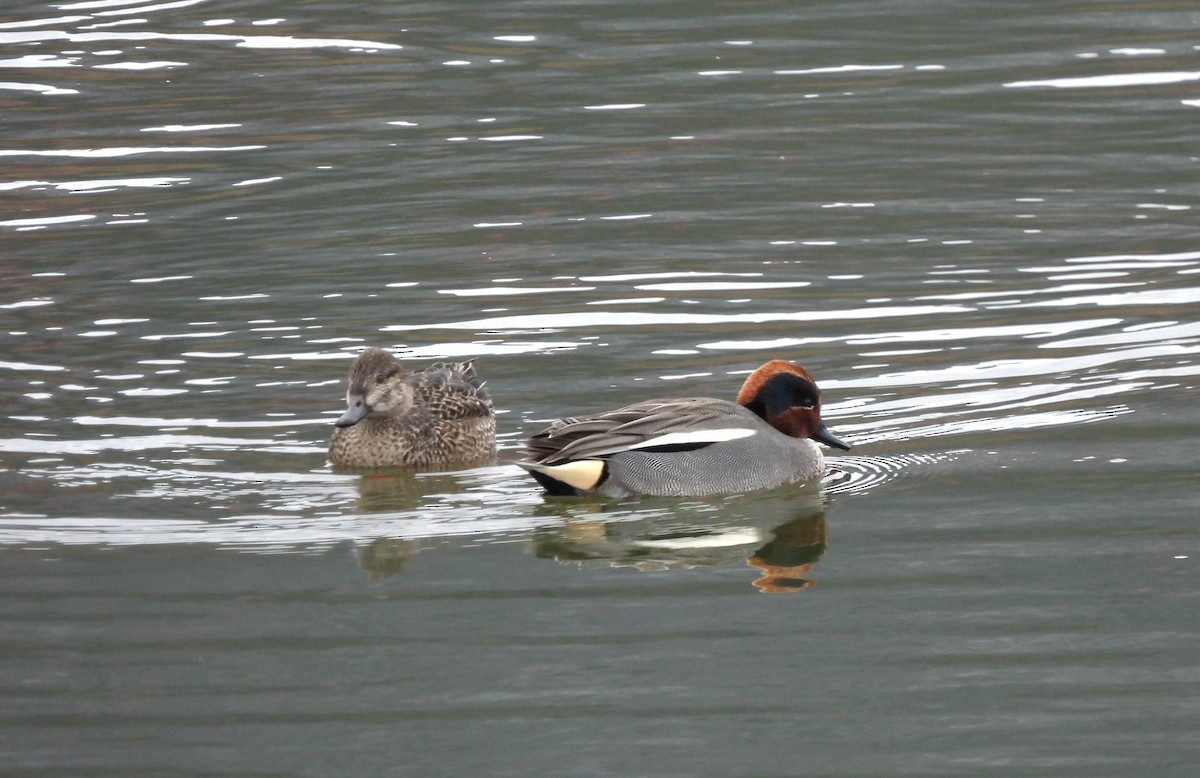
<point x="581" y="474"/>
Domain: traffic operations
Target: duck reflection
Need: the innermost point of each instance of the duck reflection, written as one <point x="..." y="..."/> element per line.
<point x="382" y="491"/>
<point x="385" y="557"/>
<point x="781" y="538"/>
<point x="392" y="491"/>
<point x="788" y="557"/>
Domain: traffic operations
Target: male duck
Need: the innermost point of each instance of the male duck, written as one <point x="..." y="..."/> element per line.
<point x="691" y="446"/>
<point x="396" y="418"/>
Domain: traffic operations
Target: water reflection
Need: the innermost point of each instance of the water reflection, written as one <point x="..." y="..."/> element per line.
<point x="781" y="535"/>
<point x="384" y="558"/>
<point x="399" y="490"/>
<point x="786" y="560"/>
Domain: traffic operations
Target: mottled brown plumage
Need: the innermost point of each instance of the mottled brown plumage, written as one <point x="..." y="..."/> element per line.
<point x="432" y="418"/>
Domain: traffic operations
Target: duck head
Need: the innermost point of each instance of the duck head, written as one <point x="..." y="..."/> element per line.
<point x="785" y="396"/>
<point x="376" y="385"/>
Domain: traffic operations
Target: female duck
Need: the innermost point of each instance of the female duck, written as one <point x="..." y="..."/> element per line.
<point x="691" y="446"/>
<point x="396" y="418"/>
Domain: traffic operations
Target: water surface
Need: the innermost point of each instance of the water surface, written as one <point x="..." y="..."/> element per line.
<point x="974" y="226"/>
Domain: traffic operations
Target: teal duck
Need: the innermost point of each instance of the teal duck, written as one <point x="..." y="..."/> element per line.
<point x="691" y="446"/>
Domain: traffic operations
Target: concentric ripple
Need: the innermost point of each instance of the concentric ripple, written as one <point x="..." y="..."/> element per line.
<point x="859" y="474"/>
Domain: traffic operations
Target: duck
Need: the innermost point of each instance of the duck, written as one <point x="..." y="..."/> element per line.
<point x="690" y="446"/>
<point x="431" y="418"/>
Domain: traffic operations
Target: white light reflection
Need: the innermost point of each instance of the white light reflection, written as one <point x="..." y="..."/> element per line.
<point x="720" y="286"/>
<point x="242" y="41"/>
<point x="122" y="151"/>
<point x="45" y="89"/>
<point x="155" y="65"/>
<point x="1005" y="369"/>
<point x="504" y="291"/>
<point x="1108" y="81"/>
<point x="487" y="500"/>
<point x="94" y="185"/>
<point x="643" y="318"/>
<point x="838" y="69"/>
<point x="651" y="276"/>
<point x="43" y="221"/>
<point x="130" y="444"/>
<point x="189" y="127"/>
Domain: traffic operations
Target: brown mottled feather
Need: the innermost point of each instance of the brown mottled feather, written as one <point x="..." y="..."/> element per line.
<point x="447" y="417"/>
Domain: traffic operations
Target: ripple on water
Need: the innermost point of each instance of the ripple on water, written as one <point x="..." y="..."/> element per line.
<point x="285" y="510"/>
<point x="851" y="473"/>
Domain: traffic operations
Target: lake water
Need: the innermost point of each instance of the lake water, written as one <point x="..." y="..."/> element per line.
<point x="974" y="223"/>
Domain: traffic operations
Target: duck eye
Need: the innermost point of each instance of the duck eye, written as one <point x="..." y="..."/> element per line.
<point x="379" y="379"/>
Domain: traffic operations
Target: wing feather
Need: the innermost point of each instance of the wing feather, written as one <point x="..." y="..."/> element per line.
<point x="451" y="391"/>
<point x="635" y="426"/>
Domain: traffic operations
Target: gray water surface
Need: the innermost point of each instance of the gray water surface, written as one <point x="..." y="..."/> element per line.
<point x="975" y="224"/>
